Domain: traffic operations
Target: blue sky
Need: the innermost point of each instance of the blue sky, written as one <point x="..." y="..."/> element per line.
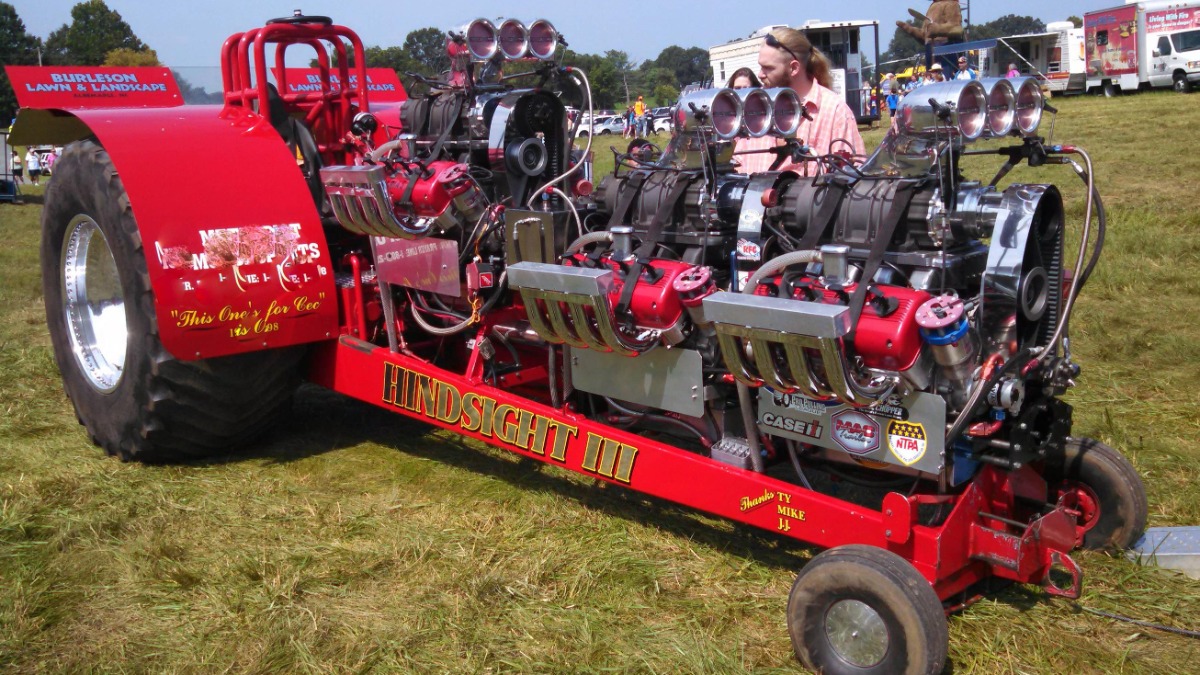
<point x="190" y="34"/>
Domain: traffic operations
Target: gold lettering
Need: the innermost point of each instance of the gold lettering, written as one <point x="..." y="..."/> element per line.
<point x="789" y="511"/>
<point x="426" y="395"/>
<point x="591" y="454"/>
<point x="228" y="313"/>
<point x="608" y="458"/>
<point x="784" y="525"/>
<point x="526" y="429"/>
<point x="625" y="467"/>
<point x="391" y="375"/>
<point x="449" y="404"/>
<point x="303" y="304"/>
<point x="411" y="400"/>
<point x="562" y="435"/>
<point x="506" y="428"/>
<point x="747" y="503"/>
<point x="471" y="419"/>
<point x="489" y="406"/>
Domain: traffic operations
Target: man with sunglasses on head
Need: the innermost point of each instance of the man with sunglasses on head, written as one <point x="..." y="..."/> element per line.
<point x="788" y="59"/>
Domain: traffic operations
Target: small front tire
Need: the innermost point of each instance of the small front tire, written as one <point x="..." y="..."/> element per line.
<point x="1107" y="491"/>
<point x="866" y="611"/>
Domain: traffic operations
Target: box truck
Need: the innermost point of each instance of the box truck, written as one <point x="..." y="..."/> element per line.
<point x="1142" y="45"/>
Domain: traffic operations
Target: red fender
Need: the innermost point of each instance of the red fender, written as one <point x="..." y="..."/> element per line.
<point x="234" y="245"/>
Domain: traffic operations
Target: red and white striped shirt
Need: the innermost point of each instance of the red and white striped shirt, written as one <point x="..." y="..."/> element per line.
<point x="832" y="129"/>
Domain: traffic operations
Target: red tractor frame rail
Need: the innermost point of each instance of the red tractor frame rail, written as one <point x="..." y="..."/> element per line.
<point x="984" y="535"/>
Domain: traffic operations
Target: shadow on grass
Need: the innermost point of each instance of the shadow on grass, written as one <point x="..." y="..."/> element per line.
<point x="324" y="421"/>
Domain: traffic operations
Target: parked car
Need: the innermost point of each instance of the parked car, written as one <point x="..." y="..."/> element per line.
<point x="604" y="126"/>
<point x="661" y="118"/>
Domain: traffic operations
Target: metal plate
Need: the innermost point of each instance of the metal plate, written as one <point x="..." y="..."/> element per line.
<point x="813" y="319"/>
<point x="907" y="431"/>
<point x="670" y="379"/>
<point x="559" y="278"/>
<point x="424" y="264"/>
<point x="1176" y="548"/>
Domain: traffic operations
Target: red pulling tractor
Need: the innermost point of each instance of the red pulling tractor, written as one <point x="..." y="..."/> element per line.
<point x="735" y="343"/>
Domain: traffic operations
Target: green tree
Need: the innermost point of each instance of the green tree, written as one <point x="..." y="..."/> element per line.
<point x="427" y="47"/>
<point x="129" y="57"/>
<point x="1009" y="24"/>
<point x="1076" y="21"/>
<point x="665" y="94"/>
<point x="607" y="84"/>
<point x="625" y="74"/>
<point x="94" y="31"/>
<point x="687" y="64"/>
<point x="17" y="48"/>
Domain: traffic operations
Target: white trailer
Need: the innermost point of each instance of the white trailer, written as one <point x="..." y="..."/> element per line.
<point x="1055" y="57"/>
<point x="841" y="41"/>
<point x="1141" y="45"/>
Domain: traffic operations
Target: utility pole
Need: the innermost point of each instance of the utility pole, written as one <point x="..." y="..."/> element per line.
<point x="39" y="51"/>
<point x="625" y="79"/>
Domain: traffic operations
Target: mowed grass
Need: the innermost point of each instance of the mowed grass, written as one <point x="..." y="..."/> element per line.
<point x="353" y="540"/>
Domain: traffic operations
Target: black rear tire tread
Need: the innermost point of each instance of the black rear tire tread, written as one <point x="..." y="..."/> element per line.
<point x="163" y="409"/>
<point x="917" y="626"/>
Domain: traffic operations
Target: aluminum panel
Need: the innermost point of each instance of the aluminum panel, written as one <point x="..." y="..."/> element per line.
<point x="670" y="379"/>
<point x="784" y="316"/>
<point x="559" y="278"/>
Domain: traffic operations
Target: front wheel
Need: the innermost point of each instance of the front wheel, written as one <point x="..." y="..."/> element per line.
<point x="1110" y="89"/>
<point x="1105" y="491"/>
<point x="1181" y="83"/>
<point x="864" y="610"/>
<point x="135" y="399"/>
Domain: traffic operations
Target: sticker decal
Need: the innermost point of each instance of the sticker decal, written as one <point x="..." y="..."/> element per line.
<point x="810" y="429"/>
<point x="907" y="441"/>
<point x="856" y="433"/>
<point x="749" y="250"/>
<point x="803" y="404"/>
<point x="892" y="407"/>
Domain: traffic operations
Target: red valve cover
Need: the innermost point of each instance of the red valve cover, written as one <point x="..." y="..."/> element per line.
<point x="891" y="342"/>
<point x="654" y="304"/>
<point x="433" y="191"/>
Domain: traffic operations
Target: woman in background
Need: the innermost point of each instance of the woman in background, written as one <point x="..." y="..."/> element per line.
<point x="743" y="78"/>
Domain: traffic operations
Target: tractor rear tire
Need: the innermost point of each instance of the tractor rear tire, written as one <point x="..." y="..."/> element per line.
<point x="865" y="610"/>
<point x="1107" y="479"/>
<point x="135" y="399"/>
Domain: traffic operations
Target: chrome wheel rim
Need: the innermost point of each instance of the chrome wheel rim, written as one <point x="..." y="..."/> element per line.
<point x="94" y="304"/>
<point x="856" y="633"/>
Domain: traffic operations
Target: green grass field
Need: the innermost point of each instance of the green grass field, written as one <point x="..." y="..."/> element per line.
<point x="353" y="540"/>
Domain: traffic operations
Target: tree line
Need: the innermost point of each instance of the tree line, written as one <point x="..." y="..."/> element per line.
<point x="904" y="46"/>
<point x="97" y="35"/>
